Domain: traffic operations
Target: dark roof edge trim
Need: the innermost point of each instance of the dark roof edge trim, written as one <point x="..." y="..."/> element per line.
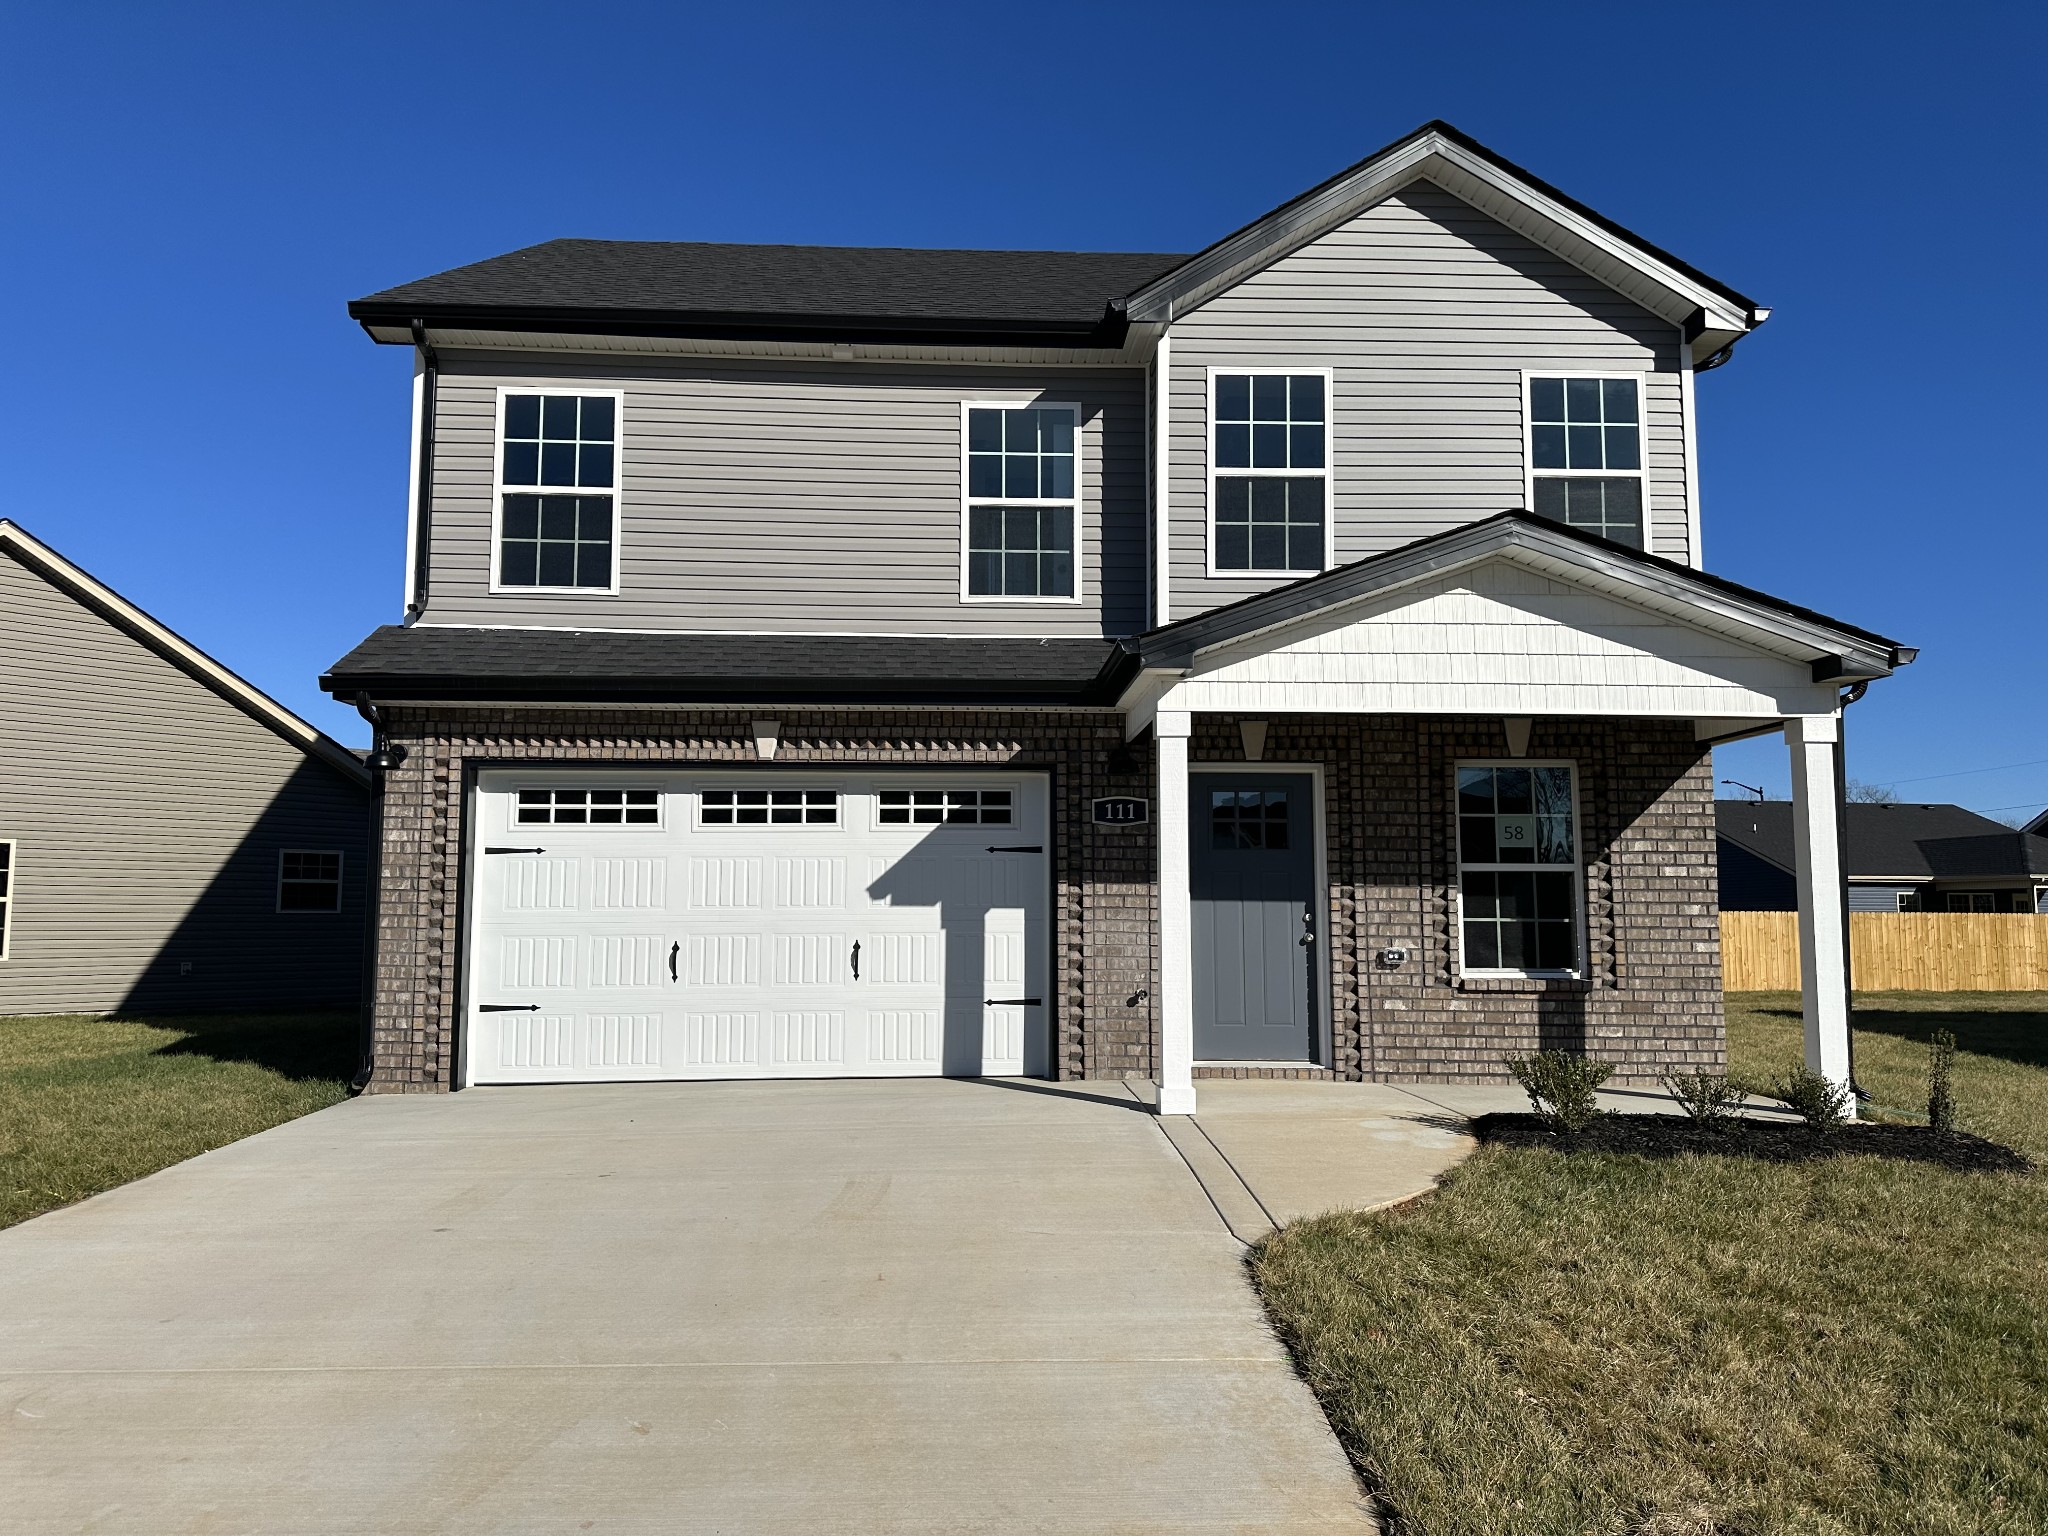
<point x="1107" y="333"/>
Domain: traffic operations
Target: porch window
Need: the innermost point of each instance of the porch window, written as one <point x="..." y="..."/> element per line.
<point x="1586" y="455"/>
<point x="1021" y="502"/>
<point x="1518" y="868"/>
<point x="557" y="483"/>
<point x="1269" y="483"/>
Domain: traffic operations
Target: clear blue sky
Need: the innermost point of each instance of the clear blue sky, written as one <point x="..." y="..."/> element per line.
<point x="190" y="194"/>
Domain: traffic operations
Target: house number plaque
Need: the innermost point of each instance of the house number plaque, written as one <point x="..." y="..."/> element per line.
<point x="1122" y="811"/>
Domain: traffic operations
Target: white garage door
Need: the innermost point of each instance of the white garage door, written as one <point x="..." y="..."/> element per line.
<point x="756" y="924"/>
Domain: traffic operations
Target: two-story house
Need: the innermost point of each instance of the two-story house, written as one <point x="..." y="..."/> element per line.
<point x="1291" y="658"/>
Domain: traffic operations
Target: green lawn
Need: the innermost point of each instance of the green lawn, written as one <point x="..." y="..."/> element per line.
<point x="89" y="1103"/>
<point x="1558" y="1344"/>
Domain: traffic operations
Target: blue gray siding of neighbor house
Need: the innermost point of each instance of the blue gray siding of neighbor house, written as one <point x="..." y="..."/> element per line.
<point x="150" y="819"/>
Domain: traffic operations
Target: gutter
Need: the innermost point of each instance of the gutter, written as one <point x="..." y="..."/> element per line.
<point x="423" y="484"/>
<point x="383" y="757"/>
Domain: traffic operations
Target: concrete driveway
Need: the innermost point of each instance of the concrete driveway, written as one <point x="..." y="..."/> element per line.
<point x="736" y="1307"/>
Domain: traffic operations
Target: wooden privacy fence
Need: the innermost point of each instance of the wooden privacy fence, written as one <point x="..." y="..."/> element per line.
<point x="1895" y="951"/>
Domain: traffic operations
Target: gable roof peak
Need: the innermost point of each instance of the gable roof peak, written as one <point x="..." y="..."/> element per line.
<point x="94" y="595"/>
<point x="1713" y="314"/>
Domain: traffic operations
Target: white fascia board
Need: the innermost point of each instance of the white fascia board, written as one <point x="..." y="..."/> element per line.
<point x="115" y="609"/>
<point x="1658" y="287"/>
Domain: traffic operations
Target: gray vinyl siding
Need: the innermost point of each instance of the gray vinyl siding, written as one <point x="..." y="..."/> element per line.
<point x="147" y="815"/>
<point x="1428" y="311"/>
<point x="791" y="497"/>
<point x="1878" y="898"/>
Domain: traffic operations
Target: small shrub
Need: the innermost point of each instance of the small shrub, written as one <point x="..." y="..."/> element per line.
<point x="1941" y="1093"/>
<point x="1708" y="1097"/>
<point x="1561" y="1086"/>
<point x="1820" y="1103"/>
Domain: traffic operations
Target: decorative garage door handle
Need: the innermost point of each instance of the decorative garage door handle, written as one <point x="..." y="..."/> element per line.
<point x="856" y="959"/>
<point x="1027" y="848"/>
<point x="673" y="950"/>
<point x="508" y="1007"/>
<point x="1011" y="1002"/>
<point x="515" y="850"/>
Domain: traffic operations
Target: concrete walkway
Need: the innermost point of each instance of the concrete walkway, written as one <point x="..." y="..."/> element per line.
<point x="812" y="1307"/>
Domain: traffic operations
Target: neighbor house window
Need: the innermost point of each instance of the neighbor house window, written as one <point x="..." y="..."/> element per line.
<point x="1518" y="868"/>
<point x="1270" y="478"/>
<point x="557" y="490"/>
<point x="1909" y="901"/>
<point x="1586" y="455"/>
<point x="6" y="896"/>
<point x="1021" y="501"/>
<point x="308" y="882"/>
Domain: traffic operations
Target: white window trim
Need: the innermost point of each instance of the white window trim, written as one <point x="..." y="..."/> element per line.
<point x="967" y="503"/>
<point x="1328" y="472"/>
<point x="340" y="883"/>
<point x="499" y="489"/>
<point x="7" y="902"/>
<point x="1578" y="869"/>
<point x="1530" y="473"/>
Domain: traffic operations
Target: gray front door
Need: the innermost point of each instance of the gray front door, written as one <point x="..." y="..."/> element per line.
<point x="1252" y="867"/>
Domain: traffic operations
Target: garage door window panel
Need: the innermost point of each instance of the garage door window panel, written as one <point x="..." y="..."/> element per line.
<point x="945" y="807"/>
<point x="589" y="807"/>
<point x="768" y="808"/>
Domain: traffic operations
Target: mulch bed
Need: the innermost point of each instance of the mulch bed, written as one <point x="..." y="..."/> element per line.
<point x="1768" y="1141"/>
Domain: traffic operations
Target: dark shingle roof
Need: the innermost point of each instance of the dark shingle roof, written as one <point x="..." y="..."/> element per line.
<point x="564" y="665"/>
<point x="1939" y="842"/>
<point x="785" y="285"/>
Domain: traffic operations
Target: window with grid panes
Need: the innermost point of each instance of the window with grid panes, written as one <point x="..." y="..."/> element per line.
<point x="589" y="807"/>
<point x="1518" y="868"/>
<point x="933" y="807"/>
<point x="558" y="473"/>
<point x="308" y="881"/>
<point x="1271" y="483"/>
<point x="1586" y="455"/>
<point x="768" y="808"/>
<point x="1021" y="501"/>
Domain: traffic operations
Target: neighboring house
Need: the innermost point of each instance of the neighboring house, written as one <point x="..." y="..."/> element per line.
<point x="2038" y="826"/>
<point x="1900" y="858"/>
<point x="1292" y="658"/>
<point x="170" y="838"/>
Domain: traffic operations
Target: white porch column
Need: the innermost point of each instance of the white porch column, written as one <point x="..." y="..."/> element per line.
<point x="1170" y="729"/>
<point x="1823" y="956"/>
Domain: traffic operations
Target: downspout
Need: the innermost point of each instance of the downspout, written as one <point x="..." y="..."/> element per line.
<point x="423" y="482"/>
<point x="1849" y="696"/>
<point x="383" y="757"/>
<point x="1162" y="479"/>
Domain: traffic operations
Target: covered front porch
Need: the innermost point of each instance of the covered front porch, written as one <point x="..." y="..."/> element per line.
<point x="1479" y="766"/>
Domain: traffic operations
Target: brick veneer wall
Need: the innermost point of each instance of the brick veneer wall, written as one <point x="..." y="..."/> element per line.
<point x="1104" y="959"/>
<point x="1651" y="999"/>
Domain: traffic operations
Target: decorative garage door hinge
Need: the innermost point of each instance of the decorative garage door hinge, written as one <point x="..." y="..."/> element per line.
<point x="515" y="850"/>
<point x="508" y="1007"/>
<point x="1011" y="1002"/>
<point x="1026" y="848"/>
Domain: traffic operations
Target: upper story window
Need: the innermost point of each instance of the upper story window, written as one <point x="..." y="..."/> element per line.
<point x="1586" y="455"/>
<point x="1022" y="469"/>
<point x="1269" y="473"/>
<point x="1518" y="868"/>
<point x="557" y="486"/>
